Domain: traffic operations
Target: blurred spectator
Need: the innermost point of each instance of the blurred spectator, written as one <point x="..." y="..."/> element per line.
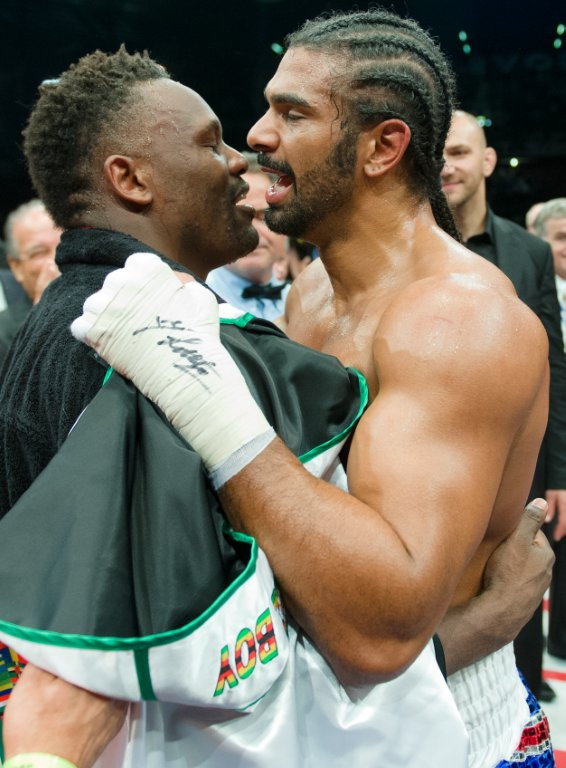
<point x="281" y="269"/>
<point x="250" y="283"/>
<point x="551" y="226"/>
<point x="527" y="261"/>
<point x="10" y="289"/>
<point x="31" y="240"/>
<point x="300" y="255"/>
<point x="530" y="217"/>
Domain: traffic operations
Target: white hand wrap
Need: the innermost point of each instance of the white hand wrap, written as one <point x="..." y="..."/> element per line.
<point x="165" y="336"/>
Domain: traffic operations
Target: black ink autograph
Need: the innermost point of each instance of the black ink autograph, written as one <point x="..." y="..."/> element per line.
<point x="168" y="325"/>
<point x="193" y="361"/>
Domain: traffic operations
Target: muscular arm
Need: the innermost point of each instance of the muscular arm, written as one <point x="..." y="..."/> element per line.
<point x="370" y="577"/>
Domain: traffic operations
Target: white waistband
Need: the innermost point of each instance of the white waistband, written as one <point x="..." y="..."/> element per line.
<point x="492" y="701"/>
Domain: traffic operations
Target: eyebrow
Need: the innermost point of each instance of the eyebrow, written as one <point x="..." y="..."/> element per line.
<point x="212" y="125"/>
<point x="287" y="98"/>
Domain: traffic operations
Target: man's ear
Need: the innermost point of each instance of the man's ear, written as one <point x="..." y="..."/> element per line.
<point x="489" y="161"/>
<point x="128" y="179"/>
<point x="385" y="146"/>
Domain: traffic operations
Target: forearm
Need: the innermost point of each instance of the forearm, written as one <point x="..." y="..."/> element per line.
<point x="347" y="576"/>
<point x="515" y="580"/>
<point x="46" y="714"/>
<point x="474" y="630"/>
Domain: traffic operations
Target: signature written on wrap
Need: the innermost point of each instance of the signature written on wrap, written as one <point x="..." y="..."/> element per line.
<point x="189" y="358"/>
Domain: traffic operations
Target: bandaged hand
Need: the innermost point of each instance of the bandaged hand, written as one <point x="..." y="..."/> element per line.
<point x="164" y="335"/>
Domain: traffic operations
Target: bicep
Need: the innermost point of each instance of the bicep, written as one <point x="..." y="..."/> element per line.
<point x="431" y="451"/>
<point x="459" y="375"/>
<point x="431" y="468"/>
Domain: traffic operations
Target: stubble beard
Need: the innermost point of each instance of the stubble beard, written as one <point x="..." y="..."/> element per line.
<point x="325" y="188"/>
<point x="234" y="240"/>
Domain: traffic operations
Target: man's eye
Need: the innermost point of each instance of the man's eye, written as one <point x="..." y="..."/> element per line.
<point x="292" y="116"/>
<point x="37" y="254"/>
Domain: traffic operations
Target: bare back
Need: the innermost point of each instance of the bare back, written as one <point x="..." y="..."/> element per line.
<point x="457" y="374"/>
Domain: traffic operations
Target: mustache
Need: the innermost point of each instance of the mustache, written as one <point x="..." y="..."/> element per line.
<point x="275" y="165"/>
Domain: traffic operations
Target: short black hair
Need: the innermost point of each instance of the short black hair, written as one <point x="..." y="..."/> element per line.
<point x="70" y="117"/>
<point x="388" y="66"/>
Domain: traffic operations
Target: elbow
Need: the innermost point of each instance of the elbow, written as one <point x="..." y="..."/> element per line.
<point x="374" y="660"/>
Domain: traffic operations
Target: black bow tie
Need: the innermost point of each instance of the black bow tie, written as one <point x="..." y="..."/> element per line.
<point x="263" y="291"/>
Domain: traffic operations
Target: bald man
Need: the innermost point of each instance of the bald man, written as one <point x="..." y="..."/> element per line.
<point x="531" y="217"/>
<point x="527" y="262"/>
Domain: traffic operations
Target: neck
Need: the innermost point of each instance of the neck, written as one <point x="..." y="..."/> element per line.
<point x="470" y="217"/>
<point x="143" y="229"/>
<point x="380" y="246"/>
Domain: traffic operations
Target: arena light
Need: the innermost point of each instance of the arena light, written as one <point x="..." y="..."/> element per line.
<point x="467" y="48"/>
<point x="514" y="162"/>
<point x="560" y="29"/>
<point x="277" y="48"/>
<point x="557" y="43"/>
<point x="463" y="36"/>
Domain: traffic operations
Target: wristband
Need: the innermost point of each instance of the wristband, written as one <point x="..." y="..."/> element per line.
<point x="240" y="459"/>
<point x="38" y="760"/>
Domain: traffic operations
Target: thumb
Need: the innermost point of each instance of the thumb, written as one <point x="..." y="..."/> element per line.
<point x="532" y="518"/>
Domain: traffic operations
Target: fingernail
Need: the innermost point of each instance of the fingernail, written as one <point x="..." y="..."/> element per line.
<point x="539" y="503"/>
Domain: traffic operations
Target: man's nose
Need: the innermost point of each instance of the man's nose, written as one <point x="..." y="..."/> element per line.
<point x="237" y="163"/>
<point x="262" y="136"/>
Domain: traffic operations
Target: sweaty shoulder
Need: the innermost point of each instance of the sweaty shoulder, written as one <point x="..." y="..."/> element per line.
<point x="463" y="329"/>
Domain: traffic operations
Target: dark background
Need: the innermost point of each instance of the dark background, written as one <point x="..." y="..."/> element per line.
<point x="514" y="75"/>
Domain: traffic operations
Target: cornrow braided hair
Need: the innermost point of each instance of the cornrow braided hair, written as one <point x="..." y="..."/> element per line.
<point x="389" y="67"/>
<point x="72" y="115"/>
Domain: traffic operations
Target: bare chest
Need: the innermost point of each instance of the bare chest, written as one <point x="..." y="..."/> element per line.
<point x="350" y="339"/>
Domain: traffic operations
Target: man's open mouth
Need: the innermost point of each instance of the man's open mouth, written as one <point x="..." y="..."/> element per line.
<point x="280" y="188"/>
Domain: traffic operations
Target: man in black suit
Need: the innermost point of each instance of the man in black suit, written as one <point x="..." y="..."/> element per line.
<point x="527" y="261"/>
<point x="551" y="226"/>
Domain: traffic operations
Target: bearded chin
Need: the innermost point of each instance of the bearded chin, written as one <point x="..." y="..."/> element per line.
<point x="292" y="221"/>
